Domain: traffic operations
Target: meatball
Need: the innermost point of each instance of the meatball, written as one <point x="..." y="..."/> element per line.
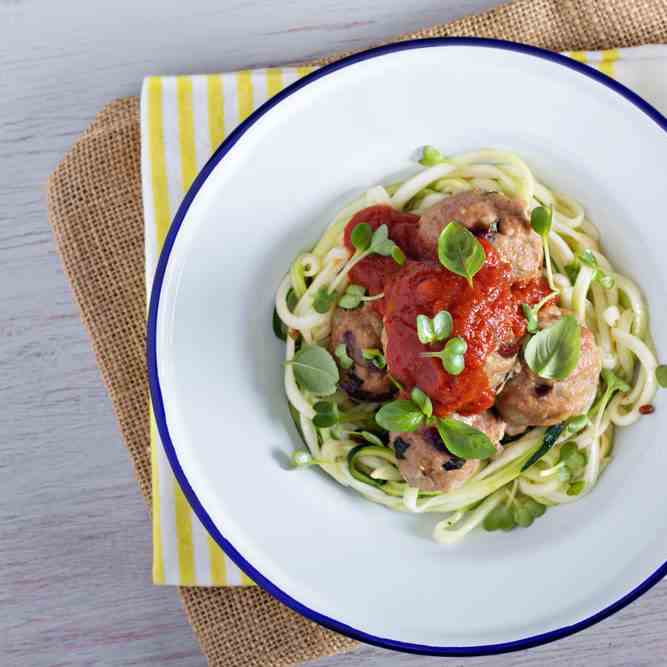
<point x="499" y="366"/>
<point x="529" y="400"/>
<point x="501" y="219"/>
<point x="360" y="329"/>
<point x="425" y="462"/>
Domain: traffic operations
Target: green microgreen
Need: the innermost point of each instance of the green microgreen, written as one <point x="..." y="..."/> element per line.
<point x="343" y="357"/>
<point x="452" y="355"/>
<point x="431" y="156"/>
<point x="531" y="312"/>
<point x="606" y="280"/>
<point x="541" y="219"/>
<point x="436" y="329"/>
<point x="661" y="375"/>
<point x="323" y="300"/>
<point x="375" y="357"/>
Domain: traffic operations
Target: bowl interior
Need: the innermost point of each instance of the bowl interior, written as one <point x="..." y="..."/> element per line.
<point x="219" y="365"/>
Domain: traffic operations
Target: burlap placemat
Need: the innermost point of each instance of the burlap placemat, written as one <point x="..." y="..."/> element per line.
<point x="95" y="208"/>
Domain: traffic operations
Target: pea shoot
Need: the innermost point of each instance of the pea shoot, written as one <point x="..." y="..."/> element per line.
<point x="571" y="463"/>
<point x="531" y="312"/>
<point x="661" y="375"/>
<point x="326" y="414"/>
<point x="302" y="458"/>
<point x="514" y="510"/>
<point x="352" y="297"/>
<point x="576" y="488"/>
<point x="606" y="280"/>
<point x="323" y="300"/>
<point x="396" y="383"/>
<point x="431" y="156"/>
<point x="541" y="219"/>
<point x="344" y="359"/>
<point x="355" y="295"/>
<point x="613" y="384"/>
<point x="375" y="357"/>
<point x="452" y="355"/>
<point x="280" y="329"/>
<point x="577" y="424"/>
<point x="436" y="329"/>
<point x="329" y="414"/>
<point x="367" y="242"/>
<point x="587" y="258"/>
<point x="339" y="433"/>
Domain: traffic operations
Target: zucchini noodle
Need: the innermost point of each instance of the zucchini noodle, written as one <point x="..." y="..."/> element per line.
<point x="614" y="309"/>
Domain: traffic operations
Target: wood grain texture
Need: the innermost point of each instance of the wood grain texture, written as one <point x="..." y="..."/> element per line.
<point x="74" y="533"/>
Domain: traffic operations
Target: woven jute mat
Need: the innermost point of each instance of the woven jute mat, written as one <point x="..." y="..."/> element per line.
<point x="95" y="208"/>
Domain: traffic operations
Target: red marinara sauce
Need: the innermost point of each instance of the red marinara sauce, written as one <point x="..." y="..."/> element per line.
<point x="374" y="271"/>
<point x="485" y="314"/>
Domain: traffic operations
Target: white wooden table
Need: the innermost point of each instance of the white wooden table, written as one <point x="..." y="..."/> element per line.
<point x="74" y="533"/>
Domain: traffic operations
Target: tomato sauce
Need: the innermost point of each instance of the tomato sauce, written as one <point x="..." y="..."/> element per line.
<point x="486" y="315"/>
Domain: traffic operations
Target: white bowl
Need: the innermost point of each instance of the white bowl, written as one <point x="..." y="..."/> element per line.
<point x="215" y="366"/>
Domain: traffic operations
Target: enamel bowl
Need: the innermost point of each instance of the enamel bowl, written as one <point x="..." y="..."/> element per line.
<point x="216" y="368"/>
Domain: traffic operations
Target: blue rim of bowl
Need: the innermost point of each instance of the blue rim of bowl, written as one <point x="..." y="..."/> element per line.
<point x="156" y="392"/>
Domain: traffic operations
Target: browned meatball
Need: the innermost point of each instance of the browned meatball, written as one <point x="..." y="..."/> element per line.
<point x="424" y="461"/>
<point x="529" y="400"/>
<point x="360" y="329"/>
<point x="498" y="367"/>
<point x="501" y="219"/>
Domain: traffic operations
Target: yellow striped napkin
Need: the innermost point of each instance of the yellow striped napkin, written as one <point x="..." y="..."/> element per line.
<point x="183" y="120"/>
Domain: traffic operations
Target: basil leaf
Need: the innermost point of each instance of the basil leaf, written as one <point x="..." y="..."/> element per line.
<point x="315" y="370"/>
<point x="551" y="436"/>
<point x="361" y="236"/>
<point x="554" y="352"/>
<point x="463" y="440"/>
<point x="460" y="251"/>
<point x="400" y="416"/>
<point x="540" y="220"/>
